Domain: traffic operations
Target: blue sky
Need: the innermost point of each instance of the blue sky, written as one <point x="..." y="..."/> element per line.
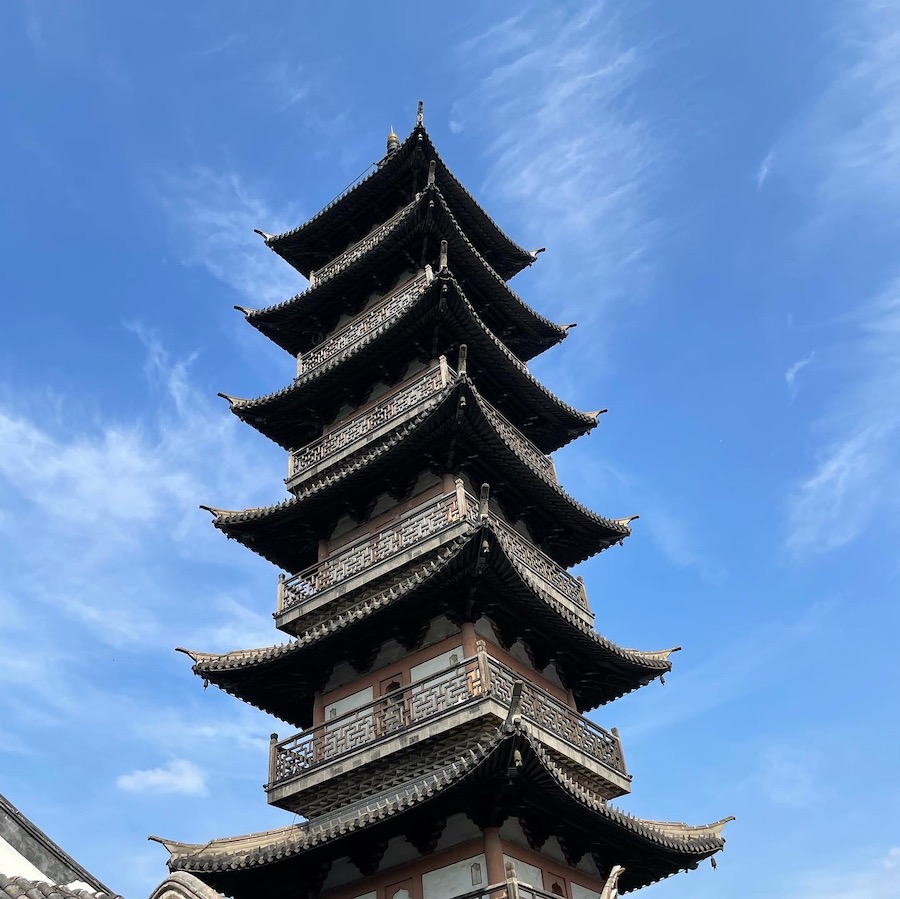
<point x="717" y="186"/>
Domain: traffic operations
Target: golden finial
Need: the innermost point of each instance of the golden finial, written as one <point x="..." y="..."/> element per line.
<point x="393" y="142"/>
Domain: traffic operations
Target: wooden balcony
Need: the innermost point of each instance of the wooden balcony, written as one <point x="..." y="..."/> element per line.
<point x="360" y="248"/>
<point x="393" y="410"/>
<point x="390" y="412"/>
<point x="361" y="327"/>
<point x="474" y="690"/>
<point x="419" y="532"/>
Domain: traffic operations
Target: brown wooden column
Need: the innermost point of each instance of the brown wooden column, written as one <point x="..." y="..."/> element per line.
<point x="493" y="854"/>
<point x="469" y="639"/>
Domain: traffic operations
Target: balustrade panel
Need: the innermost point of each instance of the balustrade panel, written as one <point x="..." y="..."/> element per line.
<point x="541" y="565"/>
<point x="544" y="709"/>
<point x="351" y="254"/>
<point x="360" y="327"/>
<point x="393" y="406"/>
<point x="415" y="528"/>
<point x="389" y="714"/>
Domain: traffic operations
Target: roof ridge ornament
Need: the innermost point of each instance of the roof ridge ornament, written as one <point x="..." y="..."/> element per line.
<point x="420" y="115"/>
<point x="393" y="142"/>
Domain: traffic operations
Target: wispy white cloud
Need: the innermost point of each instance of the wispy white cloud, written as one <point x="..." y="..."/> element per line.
<point x="569" y="154"/>
<point x="178" y="776"/>
<point x="764" y="170"/>
<point x="290" y="83"/>
<point x="876" y="876"/>
<point x="844" y="155"/>
<point x="790" y="376"/>
<point x="739" y="667"/>
<point x="790" y="775"/>
<point x="212" y="215"/>
<point x="857" y="470"/>
<point x="844" y="151"/>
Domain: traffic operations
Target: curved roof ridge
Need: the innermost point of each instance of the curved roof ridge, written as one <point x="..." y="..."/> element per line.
<point x="242" y="406"/>
<point x="492" y="415"/>
<point x="338" y="358"/>
<point x="673" y="836"/>
<point x="386" y="595"/>
<point x="488" y="267"/>
<point x="394" y="161"/>
<point x="438" y="159"/>
<point x="250" y="850"/>
<point x="339" y="472"/>
<point x="395" y="590"/>
<point x="586" y="416"/>
<point x="312" y="288"/>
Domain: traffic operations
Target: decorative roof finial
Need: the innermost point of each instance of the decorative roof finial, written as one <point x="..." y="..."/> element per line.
<point x="420" y="114"/>
<point x="393" y="142"/>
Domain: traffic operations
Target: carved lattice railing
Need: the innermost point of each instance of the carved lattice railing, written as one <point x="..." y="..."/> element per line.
<point x="386" y="716"/>
<point x="351" y="254"/>
<point x="360" y="427"/>
<point x="551" y="575"/>
<point x="426" y="700"/>
<point x="543" y="708"/>
<point x="360" y="327"/>
<point x="541" y="463"/>
<point x="389" y="544"/>
<point x="418" y="526"/>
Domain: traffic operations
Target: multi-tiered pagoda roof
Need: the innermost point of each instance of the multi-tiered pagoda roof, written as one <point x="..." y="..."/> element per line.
<point x="441" y="655"/>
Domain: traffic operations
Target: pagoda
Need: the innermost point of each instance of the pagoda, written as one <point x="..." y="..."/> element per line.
<point x="441" y="656"/>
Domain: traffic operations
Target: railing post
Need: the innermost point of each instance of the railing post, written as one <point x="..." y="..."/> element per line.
<point x="300" y="366"/>
<point x="582" y="592"/>
<point x="445" y="371"/>
<point x="484" y="501"/>
<point x="461" y="502"/>
<point x="461" y="366"/>
<point x="620" y="754"/>
<point x="512" y="881"/>
<point x="484" y="667"/>
<point x="273" y="739"/>
<point x="442" y="260"/>
<point x="280" y="595"/>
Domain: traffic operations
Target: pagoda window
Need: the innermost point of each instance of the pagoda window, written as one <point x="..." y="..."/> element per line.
<point x="349" y="703"/>
<point x="437" y="663"/>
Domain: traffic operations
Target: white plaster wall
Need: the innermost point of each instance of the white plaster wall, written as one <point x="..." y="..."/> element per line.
<point x="341" y="872"/>
<point x="552" y="848"/>
<point x="14" y="864"/>
<point x="452" y="880"/>
<point x="438" y="663"/>
<point x="527" y="873"/>
<point x="398" y="851"/>
<point x="579" y="892"/>
<point x="459" y="829"/>
<point x="349" y="703"/>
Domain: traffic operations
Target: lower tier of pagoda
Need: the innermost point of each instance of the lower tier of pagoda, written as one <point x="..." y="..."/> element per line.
<point x="507" y="784"/>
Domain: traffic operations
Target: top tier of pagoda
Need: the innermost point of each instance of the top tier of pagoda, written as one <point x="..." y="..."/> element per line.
<point x="441" y="653"/>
